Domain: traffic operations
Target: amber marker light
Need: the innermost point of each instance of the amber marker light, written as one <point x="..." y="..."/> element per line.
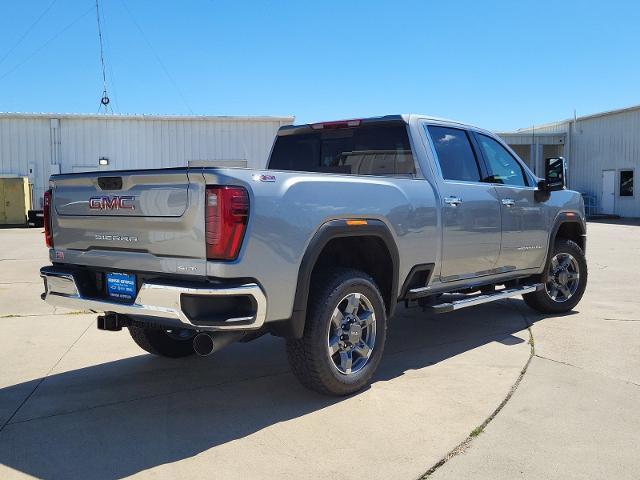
<point x="356" y="222"/>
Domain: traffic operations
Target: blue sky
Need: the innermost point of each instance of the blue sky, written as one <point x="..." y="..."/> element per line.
<point x="502" y="66"/>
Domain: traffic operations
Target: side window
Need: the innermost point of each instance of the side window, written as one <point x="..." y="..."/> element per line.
<point x="455" y="155"/>
<point x="503" y="168"/>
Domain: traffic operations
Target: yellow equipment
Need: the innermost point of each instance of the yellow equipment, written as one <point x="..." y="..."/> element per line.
<point x="15" y="200"/>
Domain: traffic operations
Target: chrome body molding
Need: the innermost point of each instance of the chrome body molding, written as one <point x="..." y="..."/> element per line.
<point x="157" y="300"/>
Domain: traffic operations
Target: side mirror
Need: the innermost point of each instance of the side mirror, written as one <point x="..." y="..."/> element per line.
<point x="555" y="172"/>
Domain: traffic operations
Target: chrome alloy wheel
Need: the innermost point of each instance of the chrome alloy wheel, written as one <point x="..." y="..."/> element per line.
<point x="352" y="333"/>
<point x="563" y="277"/>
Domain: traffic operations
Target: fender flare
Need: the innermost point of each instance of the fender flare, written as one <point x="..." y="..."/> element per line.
<point x="561" y="219"/>
<point x="294" y="326"/>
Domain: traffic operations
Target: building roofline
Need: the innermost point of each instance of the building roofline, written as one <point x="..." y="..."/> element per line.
<point x="95" y="116"/>
<point x="581" y="118"/>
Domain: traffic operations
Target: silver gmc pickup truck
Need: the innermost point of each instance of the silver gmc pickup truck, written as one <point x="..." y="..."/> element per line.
<point x="350" y="218"/>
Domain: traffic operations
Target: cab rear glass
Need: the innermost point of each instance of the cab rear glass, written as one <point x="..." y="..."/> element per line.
<point x="365" y="150"/>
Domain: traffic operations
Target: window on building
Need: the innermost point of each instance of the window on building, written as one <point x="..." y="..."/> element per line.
<point x="455" y="155"/>
<point x="626" y="183"/>
<point x="503" y="167"/>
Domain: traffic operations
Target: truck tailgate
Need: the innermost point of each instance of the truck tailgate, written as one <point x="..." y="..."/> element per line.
<point x="155" y="214"/>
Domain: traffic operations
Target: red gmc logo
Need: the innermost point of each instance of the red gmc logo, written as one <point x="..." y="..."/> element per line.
<point x="117" y="202"/>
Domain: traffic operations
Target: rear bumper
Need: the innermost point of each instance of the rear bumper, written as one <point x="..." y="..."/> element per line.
<point x="157" y="300"/>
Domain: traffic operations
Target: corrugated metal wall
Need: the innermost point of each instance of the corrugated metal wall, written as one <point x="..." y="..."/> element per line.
<point x="595" y="143"/>
<point x="609" y="142"/>
<point x="77" y="142"/>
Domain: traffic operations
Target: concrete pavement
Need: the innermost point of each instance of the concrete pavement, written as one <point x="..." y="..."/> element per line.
<point x="79" y="403"/>
<point x="575" y="414"/>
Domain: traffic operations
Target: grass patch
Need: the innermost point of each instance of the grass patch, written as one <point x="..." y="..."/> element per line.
<point x="476" y="431"/>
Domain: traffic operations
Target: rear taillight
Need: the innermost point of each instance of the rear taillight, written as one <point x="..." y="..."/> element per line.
<point x="226" y="214"/>
<point x="46" y="210"/>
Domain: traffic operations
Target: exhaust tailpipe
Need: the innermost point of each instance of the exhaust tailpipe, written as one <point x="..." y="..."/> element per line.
<point x="205" y="343"/>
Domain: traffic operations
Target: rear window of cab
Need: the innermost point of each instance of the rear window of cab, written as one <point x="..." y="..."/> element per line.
<point x="382" y="150"/>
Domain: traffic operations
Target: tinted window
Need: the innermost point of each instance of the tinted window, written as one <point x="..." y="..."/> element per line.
<point x="455" y="155"/>
<point x="365" y="150"/>
<point x="626" y="183"/>
<point x="503" y="168"/>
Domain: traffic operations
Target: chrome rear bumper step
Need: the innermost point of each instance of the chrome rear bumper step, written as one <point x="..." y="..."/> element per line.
<point x="153" y="300"/>
<point x="483" y="298"/>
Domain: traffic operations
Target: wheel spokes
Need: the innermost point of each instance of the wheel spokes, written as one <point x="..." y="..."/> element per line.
<point x="366" y="318"/>
<point x="351" y="333"/>
<point x="337" y="318"/>
<point x="565" y="262"/>
<point x="363" y="350"/>
<point x="353" y="303"/>
<point x="346" y="361"/>
<point x="334" y="345"/>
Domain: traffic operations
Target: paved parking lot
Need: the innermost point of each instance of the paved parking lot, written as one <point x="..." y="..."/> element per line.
<point x="79" y="403"/>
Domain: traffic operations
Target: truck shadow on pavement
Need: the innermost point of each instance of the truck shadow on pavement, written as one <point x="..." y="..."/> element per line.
<point x="120" y="418"/>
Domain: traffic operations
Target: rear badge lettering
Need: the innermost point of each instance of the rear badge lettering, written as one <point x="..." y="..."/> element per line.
<point x="116" y="202"/>
<point x="187" y="268"/>
<point x="264" y="178"/>
<point x="115" y="237"/>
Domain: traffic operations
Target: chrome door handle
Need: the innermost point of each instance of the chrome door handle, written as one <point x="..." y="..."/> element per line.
<point x="508" y="202"/>
<point x="453" y="201"/>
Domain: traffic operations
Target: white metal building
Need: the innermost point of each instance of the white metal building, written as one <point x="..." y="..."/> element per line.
<point x="603" y="153"/>
<point x="38" y="145"/>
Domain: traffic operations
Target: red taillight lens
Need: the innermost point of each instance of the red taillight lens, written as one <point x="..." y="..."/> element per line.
<point x="46" y="210"/>
<point x="334" y="125"/>
<point x="226" y="214"/>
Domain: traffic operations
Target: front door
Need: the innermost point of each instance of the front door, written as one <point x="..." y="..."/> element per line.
<point x="470" y="208"/>
<point x="608" y="191"/>
<point x="524" y="219"/>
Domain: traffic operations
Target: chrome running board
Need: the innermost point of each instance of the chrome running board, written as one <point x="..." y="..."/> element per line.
<point x="483" y="298"/>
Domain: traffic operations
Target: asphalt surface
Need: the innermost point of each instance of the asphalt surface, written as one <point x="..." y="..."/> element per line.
<point x="79" y="403"/>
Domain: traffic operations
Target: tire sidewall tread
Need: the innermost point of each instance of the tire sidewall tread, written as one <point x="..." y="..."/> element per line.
<point x="308" y="357"/>
<point x="540" y="300"/>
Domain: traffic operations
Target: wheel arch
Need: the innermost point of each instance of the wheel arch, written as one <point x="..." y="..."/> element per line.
<point x="340" y="232"/>
<point x="569" y="225"/>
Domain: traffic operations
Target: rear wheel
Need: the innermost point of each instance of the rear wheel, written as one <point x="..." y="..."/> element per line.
<point x="165" y="343"/>
<point x="344" y="334"/>
<point x="564" y="281"/>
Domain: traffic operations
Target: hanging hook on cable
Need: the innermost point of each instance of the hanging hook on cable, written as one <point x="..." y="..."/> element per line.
<point x="104" y="101"/>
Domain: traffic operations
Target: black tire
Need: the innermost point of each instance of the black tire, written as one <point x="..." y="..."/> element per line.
<point x="158" y="342"/>
<point x="309" y="356"/>
<point x="542" y="300"/>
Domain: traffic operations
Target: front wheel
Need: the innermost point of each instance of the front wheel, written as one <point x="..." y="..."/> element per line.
<point x="564" y="281"/>
<point x="344" y="334"/>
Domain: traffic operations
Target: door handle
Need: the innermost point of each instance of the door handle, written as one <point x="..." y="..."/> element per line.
<point x="508" y="202"/>
<point x="453" y="201"/>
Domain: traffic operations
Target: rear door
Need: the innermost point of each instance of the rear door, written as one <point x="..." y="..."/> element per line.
<point x="470" y="208"/>
<point x="150" y="216"/>
<point x="524" y="219"/>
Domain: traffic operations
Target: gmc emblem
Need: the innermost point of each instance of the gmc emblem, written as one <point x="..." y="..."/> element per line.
<point x="117" y="202"/>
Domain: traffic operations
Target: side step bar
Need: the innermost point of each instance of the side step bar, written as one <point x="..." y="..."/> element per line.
<point x="483" y="298"/>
